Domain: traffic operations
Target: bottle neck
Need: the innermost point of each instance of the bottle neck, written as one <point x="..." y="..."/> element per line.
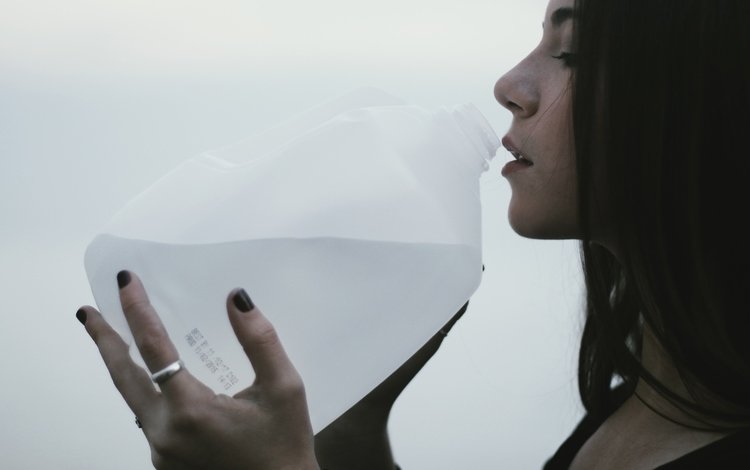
<point x="477" y="130"/>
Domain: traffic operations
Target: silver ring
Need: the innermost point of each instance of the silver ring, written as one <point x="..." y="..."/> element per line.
<point x="161" y="376"/>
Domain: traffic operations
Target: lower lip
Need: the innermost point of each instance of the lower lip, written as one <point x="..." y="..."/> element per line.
<point x="514" y="166"/>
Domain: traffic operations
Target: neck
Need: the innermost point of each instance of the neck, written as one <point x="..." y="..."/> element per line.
<point x="658" y="363"/>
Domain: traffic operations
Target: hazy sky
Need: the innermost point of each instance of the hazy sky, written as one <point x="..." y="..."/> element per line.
<point x="98" y="99"/>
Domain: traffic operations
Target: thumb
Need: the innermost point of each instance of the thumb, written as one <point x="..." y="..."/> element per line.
<point x="447" y="328"/>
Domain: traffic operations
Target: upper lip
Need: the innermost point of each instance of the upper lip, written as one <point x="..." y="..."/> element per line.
<point x="513" y="149"/>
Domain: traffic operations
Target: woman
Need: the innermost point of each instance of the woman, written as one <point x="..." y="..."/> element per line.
<point x="628" y="129"/>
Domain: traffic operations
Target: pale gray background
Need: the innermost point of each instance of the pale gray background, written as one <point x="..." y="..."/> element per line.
<point x="99" y="98"/>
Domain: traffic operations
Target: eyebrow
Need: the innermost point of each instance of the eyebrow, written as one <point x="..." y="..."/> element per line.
<point x="560" y="16"/>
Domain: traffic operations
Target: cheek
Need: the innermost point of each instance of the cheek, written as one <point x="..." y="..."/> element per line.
<point x="544" y="197"/>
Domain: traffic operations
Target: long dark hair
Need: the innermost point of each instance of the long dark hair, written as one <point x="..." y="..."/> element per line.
<point x="661" y="114"/>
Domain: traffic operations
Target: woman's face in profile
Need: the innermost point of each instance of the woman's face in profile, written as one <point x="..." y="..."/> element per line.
<point x="537" y="92"/>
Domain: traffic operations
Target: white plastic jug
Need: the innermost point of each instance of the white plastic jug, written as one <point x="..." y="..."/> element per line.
<point x="355" y="227"/>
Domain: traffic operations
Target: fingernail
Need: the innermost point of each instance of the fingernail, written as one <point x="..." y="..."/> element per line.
<point x="123" y="279"/>
<point x="242" y="301"/>
<point x="81" y="316"/>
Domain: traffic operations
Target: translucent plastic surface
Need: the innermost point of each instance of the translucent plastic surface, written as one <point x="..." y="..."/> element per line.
<point x="355" y="227"/>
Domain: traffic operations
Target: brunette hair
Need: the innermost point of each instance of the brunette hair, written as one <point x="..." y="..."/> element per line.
<point x="661" y="118"/>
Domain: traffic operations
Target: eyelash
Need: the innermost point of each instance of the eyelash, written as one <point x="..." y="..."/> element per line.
<point x="568" y="58"/>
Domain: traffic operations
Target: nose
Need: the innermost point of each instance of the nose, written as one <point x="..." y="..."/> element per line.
<point x="518" y="91"/>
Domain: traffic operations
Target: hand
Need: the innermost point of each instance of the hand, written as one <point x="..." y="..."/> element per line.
<point x="188" y="426"/>
<point x="359" y="437"/>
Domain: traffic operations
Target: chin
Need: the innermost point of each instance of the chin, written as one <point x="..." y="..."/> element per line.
<point x="543" y="225"/>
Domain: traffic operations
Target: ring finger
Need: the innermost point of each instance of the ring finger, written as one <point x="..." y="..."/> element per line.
<point x="150" y="335"/>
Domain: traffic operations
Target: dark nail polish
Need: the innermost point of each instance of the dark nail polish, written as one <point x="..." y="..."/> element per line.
<point x="242" y="301"/>
<point x="81" y="316"/>
<point x="123" y="279"/>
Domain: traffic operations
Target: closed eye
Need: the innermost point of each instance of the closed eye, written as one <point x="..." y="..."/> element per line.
<point x="568" y="58"/>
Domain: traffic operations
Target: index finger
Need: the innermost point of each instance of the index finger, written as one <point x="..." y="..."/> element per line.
<point x="260" y="341"/>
